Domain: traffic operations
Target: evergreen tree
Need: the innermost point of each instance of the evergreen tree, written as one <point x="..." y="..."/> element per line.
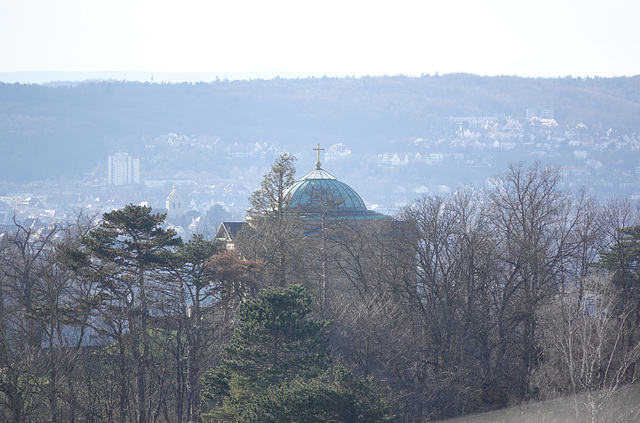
<point x="273" y="236"/>
<point x="270" y="199"/>
<point x="127" y="250"/>
<point x="275" y="369"/>
<point x="337" y="396"/>
<point x="273" y="342"/>
<point x="622" y="259"/>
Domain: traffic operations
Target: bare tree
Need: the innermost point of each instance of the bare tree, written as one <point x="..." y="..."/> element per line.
<point x="529" y="215"/>
<point x="23" y="264"/>
<point x="585" y="355"/>
<point x="586" y="229"/>
<point x="452" y="294"/>
<point x="190" y="313"/>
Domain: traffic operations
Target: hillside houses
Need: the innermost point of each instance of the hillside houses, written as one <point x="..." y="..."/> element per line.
<point x="214" y="174"/>
<point x="537" y="137"/>
<point x="337" y="152"/>
<point x="393" y="159"/>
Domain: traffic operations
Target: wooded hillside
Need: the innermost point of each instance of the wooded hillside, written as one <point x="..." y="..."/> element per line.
<point x="52" y="131"/>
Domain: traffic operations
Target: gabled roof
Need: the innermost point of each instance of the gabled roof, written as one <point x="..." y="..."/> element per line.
<point x="228" y="230"/>
<point x="174" y="193"/>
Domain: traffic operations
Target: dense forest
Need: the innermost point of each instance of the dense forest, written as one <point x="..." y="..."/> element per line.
<point x="461" y="304"/>
<point x="64" y="130"/>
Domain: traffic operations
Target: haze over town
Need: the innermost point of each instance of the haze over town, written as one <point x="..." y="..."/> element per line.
<point x="464" y="238"/>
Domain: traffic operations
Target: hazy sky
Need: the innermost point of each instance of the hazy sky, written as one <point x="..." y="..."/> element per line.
<point x="492" y="37"/>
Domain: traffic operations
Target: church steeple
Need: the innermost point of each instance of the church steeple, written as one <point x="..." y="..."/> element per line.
<point x="175" y="203"/>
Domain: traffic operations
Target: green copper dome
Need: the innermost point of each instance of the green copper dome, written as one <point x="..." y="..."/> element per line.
<point x="318" y="189"/>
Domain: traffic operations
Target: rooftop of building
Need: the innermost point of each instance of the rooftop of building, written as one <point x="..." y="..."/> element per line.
<point x="318" y="194"/>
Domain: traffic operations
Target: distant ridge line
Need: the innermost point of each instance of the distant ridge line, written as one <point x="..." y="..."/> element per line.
<point x="43" y="77"/>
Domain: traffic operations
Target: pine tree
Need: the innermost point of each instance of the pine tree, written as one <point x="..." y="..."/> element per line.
<point x="276" y="369"/>
<point x="337" y="396"/>
<point x="273" y="235"/>
<point x="273" y="343"/>
<point x="270" y="199"/>
<point x="622" y="259"/>
<point x="126" y="250"/>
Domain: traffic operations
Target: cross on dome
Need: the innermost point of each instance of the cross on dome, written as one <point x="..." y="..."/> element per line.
<point x="318" y="150"/>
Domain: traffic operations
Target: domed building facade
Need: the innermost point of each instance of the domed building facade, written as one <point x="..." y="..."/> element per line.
<point x="325" y="238"/>
<point x="317" y="197"/>
<point x="318" y="194"/>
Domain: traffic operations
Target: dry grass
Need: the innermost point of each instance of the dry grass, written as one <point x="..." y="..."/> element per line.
<point x="621" y="406"/>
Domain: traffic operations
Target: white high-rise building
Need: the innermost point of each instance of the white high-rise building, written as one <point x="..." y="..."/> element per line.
<point x="123" y="169"/>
